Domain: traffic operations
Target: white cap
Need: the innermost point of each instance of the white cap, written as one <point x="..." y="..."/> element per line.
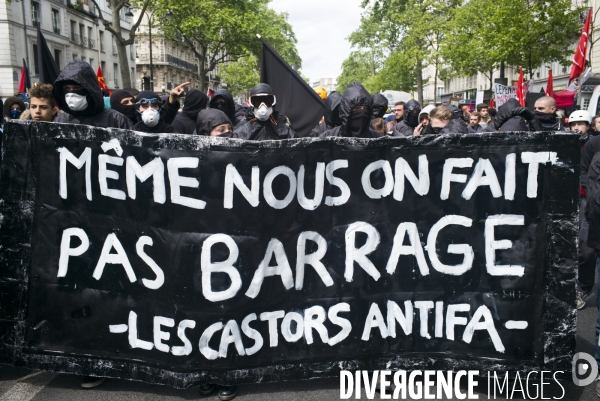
<point x="427" y="109"/>
<point x="580" y="115"/>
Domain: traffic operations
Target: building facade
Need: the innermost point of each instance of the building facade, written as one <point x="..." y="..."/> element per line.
<point x="72" y="30"/>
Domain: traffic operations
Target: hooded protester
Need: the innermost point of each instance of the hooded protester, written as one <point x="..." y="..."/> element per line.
<point x="410" y="119"/>
<point x="380" y="105"/>
<point x="123" y="101"/>
<point x="13" y="107"/>
<point x="185" y="122"/>
<point x="510" y="117"/>
<point x="332" y="114"/>
<point x="148" y="109"/>
<point x="355" y="114"/>
<point x="78" y="94"/>
<point x="223" y="100"/>
<point x="213" y="122"/>
<point x="263" y="122"/>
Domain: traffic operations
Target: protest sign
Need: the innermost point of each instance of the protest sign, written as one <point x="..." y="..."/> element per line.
<point x="180" y="260"/>
<point x="503" y="93"/>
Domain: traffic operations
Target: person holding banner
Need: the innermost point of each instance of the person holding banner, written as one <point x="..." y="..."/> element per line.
<point x="263" y="121"/>
<point x="332" y="114"/>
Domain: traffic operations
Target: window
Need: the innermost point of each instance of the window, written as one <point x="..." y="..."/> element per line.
<point x="57" y="57"/>
<point x="89" y="37"/>
<point x="586" y="104"/>
<point x="81" y="34"/>
<point x="101" y="38"/>
<point x="116" y="71"/>
<point x="103" y="66"/>
<point x="35" y="13"/>
<point x="36" y="65"/>
<point x="74" y="37"/>
<point x="74" y="56"/>
<point x="56" y="21"/>
<point x="92" y="62"/>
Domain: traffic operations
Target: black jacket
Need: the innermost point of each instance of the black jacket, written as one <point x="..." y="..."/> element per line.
<point x="455" y="126"/>
<point x="208" y="119"/>
<point x="592" y="211"/>
<point x="332" y="116"/>
<point x="95" y="114"/>
<point x="509" y="117"/>
<point x="185" y="122"/>
<point x="227" y="95"/>
<point x="256" y="130"/>
<point x="355" y="95"/>
<point x="380" y="105"/>
<point x="587" y="153"/>
<point x="404" y="127"/>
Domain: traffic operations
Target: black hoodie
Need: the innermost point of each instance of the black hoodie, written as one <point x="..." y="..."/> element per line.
<point x="257" y="130"/>
<point x="127" y="111"/>
<point x="185" y="122"/>
<point x="162" y="126"/>
<point x="407" y="126"/>
<point x="332" y="114"/>
<point x="208" y="119"/>
<point x="95" y="114"/>
<point x="509" y="118"/>
<point x="380" y="105"/>
<point x="355" y="95"/>
<point x="230" y="113"/>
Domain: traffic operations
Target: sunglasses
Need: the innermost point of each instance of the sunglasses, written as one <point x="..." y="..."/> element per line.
<point x="257" y="100"/>
<point x="145" y="102"/>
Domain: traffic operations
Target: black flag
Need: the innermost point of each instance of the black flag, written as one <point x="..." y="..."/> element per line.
<point x="298" y="101"/>
<point x="48" y="69"/>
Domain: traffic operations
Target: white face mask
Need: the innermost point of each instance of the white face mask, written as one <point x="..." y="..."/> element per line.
<point x="263" y="112"/>
<point x="76" y="102"/>
<point x="150" y="117"/>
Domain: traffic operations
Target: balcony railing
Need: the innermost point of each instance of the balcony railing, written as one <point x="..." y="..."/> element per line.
<point x="92" y="43"/>
<point x="84" y="41"/>
<point x="75" y="38"/>
<point x="144" y="58"/>
<point x="35" y="23"/>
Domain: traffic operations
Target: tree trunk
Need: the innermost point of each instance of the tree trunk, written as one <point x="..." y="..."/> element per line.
<point x="420" y="81"/>
<point x="202" y="69"/>
<point x="492" y="79"/>
<point x="121" y="46"/>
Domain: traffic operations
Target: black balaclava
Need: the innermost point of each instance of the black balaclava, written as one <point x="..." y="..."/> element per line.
<point x="115" y="104"/>
<point x="358" y="122"/>
<point x="220" y="103"/>
<point x="411" y="113"/>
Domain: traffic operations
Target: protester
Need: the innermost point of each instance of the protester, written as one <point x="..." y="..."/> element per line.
<point x="398" y="115"/>
<point x="596" y="124"/>
<point x="410" y="119"/>
<point x="78" y="94"/>
<point x="424" y="115"/>
<point x="355" y="114"/>
<point x="457" y="124"/>
<point x="378" y="124"/>
<point x="223" y="100"/>
<point x="13" y="107"/>
<point x="546" y="117"/>
<point x="263" y="123"/>
<point x="185" y="122"/>
<point x="439" y="118"/>
<point x="42" y="106"/>
<point x="484" y="112"/>
<point x="380" y="105"/>
<point x="148" y="109"/>
<point x="509" y="117"/>
<point x="123" y="101"/>
<point x="332" y="114"/>
<point x="213" y="122"/>
<point x="580" y="120"/>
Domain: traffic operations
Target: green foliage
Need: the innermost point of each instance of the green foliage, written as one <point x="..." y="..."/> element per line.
<point x="225" y="30"/>
<point x="242" y="75"/>
<point x="359" y="66"/>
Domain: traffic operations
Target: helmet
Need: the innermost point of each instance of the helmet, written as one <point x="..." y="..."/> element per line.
<point x="580" y="115"/>
<point x="321" y="92"/>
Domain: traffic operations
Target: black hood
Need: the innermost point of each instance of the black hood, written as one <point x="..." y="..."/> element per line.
<point x="209" y="119"/>
<point x="195" y="101"/>
<point x="380" y="105"/>
<point x="80" y="72"/>
<point x="355" y="95"/>
<point x="506" y="112"/>
<point x="332" y="119"/>
<point x="261" y="88"/>
<point x="408" y="117"/>
<point x="9" y="102"/>
<point x="227" y="95"/>
<point x="456" y="112"/>
<point x="115" y="104"/>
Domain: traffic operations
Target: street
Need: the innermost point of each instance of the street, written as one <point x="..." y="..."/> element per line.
<point x="18" y="384"/>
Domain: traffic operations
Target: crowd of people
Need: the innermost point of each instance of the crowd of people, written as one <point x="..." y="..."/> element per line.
<point x="76" y="98"/>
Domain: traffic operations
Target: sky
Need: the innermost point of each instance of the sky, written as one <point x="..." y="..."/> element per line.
<point x="321" y="28"/>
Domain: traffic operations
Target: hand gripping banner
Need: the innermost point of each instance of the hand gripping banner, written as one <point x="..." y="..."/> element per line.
<point x="180" y="260"/>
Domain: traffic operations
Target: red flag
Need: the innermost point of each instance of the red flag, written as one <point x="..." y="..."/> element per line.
<point x="25" y="81"/>
<point x="521" y="89"/>
<point x="550" y="85"/>
<point x="581" y="52"/>
<point x="101" y="81"/>
<point x="492" y="103"/>
<point x="210" y="93"/>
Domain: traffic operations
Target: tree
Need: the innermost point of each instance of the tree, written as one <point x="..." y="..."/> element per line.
<point x="222" y="31"/>
<point x="241" y="75"/>
<point x="359" y="66"/>
<point x="114" y="27"/>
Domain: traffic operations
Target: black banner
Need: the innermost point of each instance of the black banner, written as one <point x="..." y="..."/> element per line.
<point x="179" y="260"/>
